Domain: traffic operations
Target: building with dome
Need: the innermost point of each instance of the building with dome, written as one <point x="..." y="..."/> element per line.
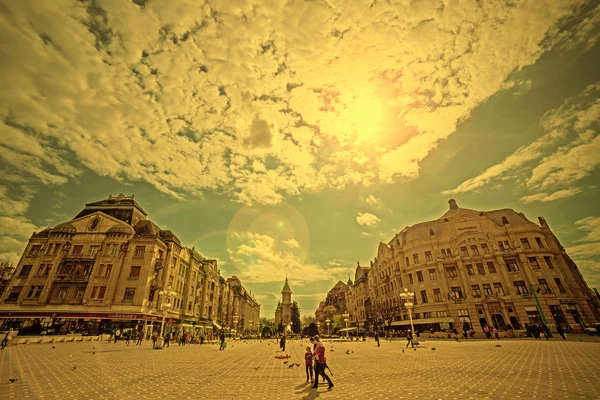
<point x="480" y="267"/>
<point x="106" y="268"/>
<point x="283" y="312"/>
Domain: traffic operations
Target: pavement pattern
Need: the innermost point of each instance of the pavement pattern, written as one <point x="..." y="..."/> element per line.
<point x="472" y="369"/>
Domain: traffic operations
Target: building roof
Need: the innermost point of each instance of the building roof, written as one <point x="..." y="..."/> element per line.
<point x="119" y="229"/>
<point x="286" y="287"/>
<point x="121" y="207"/>
<point x="147" y="228"/>
<point x="64" y="227"/>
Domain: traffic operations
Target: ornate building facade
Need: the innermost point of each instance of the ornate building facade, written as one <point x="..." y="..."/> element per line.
<point x="484" y="268"/>
<point x="334" y="303"/>
<point x="283" y="312"/>
<point x="107" y="266"/>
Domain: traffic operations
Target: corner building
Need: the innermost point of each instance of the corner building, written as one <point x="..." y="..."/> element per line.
<point x="485" y="268"/>
<point x="104" y="269"/>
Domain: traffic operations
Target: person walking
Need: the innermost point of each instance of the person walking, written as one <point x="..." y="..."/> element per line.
<point x="496" y="334"/>
<point x="561" y="331"/>
<point x="167" y="341"/>
<point x="308" y="362"/>
<point x="140" y="337"/>
<point x="377" y="338"/>
<point x="282" y="342"/>
<point x="7" y="338"/>
<point x="314" y="343"/>
<point x="154" y="338"/>
<point x="409" y="339"/>
<point x="488" y="333"/>
<point x="321" y="365"/>
<point x="222" y="338"/>
<point x="127" y="337"/>
<point x="117" y="335"/>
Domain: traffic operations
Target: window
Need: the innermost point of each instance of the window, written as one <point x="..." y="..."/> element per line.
<point x="507" y="245"/>
<point x="476" y="290"/>
<point x="544" y="286"/>
<point x="25" y="270"/>
<point x="487" y="289"/>
<point x="480" y="269"/>
<point x="441" y="314"/>
<point x="135" y="272"/>
<point x="56" y="249"/>
<point x="500" y="246"/>
<point x="539" y="242"/>
<point x="437" y="295"/>
<point x="423" y="296"/>
<point x="428" y="256"/>
<point x="35" y="292"/>
<point x="520" y="287"/>
<point x="470" y="270"/>
<point x="190" y="306"/>
<point x="407" y="262"/>
<point x="549" y="262"/>
<point x="491" y="267"/>
<point x="464" y="252"/>
<point x="107" y="269"/>
<point x="139" y="251"/>
<point x="49" y="249"/>
<point x="114" y="250"/>
<point x="410" y="279"/>
<point x="420" y="276"/>
<point x="474" y="250"/>
<point x="498" y="288"/>
<point x="525" y="243"/>
<point x="79" y="294"/>
<point x="416" y="259"/>
<point x="101" y="292"/>
<point x="451" y="272"/>
<point x="35" y="250"/>
<point x="13" y="296"/>
<point x="512" y="265"/>
<point x="426" y="315"/>
<point x="129" y="293"/>
<point x="534" y="263"/>
<point x="448" y="253"/>
<point x="94" y="249"/>
<point x="432" y="274"/>
<point x="485" y="248"/>
<point x="443" y="253"/>
<point x="78" y="250"/>
<point x="561" y="288"/>
<point x="94" y="292"/>
<point x="457" y="292"/>
<point x="61" y="293"/>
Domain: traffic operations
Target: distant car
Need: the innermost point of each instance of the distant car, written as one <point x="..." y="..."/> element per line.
<point x="592" y="330"/>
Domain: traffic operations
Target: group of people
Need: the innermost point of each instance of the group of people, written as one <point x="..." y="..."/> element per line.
<point x="315" y="360"/>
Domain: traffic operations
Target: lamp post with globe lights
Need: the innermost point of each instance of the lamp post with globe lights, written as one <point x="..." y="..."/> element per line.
<point x="166" y="296"/>
<point x="328" y="321"/>
<point x="408" y="298"/>
<point x="346" y="317"/>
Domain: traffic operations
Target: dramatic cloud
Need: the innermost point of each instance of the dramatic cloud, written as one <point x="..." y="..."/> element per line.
<point x="367" y="219"/>
<point x="545" y="197"/>
<point x="568" y="151"/>
<point x="587" y="254"/>
<point x="366" y="234"/>
<point x="371" y="200"/>
<point x="258" y="99"/>
<point x="259" y="259"/>
<point x="591" y="225"/>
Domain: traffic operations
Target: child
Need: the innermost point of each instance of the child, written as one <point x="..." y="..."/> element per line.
<point x="308" y="359"/>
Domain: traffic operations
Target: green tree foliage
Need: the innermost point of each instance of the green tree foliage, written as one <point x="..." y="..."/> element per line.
<point x="307" y="320"/>
<point x="310" y="330"/>
<point x="296" y="324"/>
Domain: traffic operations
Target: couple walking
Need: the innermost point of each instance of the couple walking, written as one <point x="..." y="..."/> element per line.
<point x="320" y="363"/>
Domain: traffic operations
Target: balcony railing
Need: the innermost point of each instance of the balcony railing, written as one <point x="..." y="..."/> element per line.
<point x="72" y="278"/>
<point x="133" y="277"/>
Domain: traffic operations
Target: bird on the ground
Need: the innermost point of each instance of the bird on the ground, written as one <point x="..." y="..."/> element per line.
<point x="347" y="351"/>
<point x="415" y="349"/>
<point x="433" y="348"/>
<point x="75" y="367"/>
<point x="498" y="345"/>
<point x="53" y="347"/>
<point x="12" y="380"/>
<point x="291" y="366"/>
<point x="93" y="352"/>
<point x="285" y="362"/>
<point x="257" y="368"/>
<point x="403" y="350"/>
<point x="297" y="365"/>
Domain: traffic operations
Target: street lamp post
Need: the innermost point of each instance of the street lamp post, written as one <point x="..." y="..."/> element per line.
<point x="235" y="321"/>
<point x="327" y="321"/>
<point x="346" y="317"/>
<point x="408" y="298"/>
<point x="319" y="327"/>
<point x="166" y="296"/>
<point x="251" y="327"/>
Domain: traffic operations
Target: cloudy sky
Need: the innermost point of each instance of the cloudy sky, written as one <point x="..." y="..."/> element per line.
<point x="294" y="136"/>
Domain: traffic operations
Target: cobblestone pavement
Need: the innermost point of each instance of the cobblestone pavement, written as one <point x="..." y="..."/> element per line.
<point x="519" y="369"/>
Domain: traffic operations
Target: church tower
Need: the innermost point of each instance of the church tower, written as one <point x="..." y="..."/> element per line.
<point x="284" y="311"/>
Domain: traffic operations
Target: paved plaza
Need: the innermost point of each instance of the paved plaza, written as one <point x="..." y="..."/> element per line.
<point x="520" y="368"/>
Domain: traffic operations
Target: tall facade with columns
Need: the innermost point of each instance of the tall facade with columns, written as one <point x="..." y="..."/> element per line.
<point x="283" y="312"/>
<point x="480" y="267"/>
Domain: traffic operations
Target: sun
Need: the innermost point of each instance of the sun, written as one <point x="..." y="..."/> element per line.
<point x="364" y="117"/>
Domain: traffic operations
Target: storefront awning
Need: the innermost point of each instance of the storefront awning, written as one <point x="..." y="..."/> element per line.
<point x="217" y="326"/>
<point x="423" y="321"/>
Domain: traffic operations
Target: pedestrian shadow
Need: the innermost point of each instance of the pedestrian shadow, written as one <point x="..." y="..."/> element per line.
<point x="308" y="391"/>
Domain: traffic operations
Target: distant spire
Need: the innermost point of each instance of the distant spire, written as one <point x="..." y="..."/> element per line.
<point x="453" y="205"/>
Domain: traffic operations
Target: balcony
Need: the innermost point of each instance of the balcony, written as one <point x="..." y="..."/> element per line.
<point x="63" y="278"/>
<point x="134" y="277"/>
<point x="159" y="264"/>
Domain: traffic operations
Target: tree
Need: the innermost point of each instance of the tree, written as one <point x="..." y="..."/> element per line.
<point x="311" y="330"/>
<point x="307" y="320"/>
<point x="7" y="270"/>
<point x="280" y="328"/>
<point x="296" y="324"/>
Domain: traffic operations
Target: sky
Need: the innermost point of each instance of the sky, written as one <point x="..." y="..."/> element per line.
<point x="291" y="137"/>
